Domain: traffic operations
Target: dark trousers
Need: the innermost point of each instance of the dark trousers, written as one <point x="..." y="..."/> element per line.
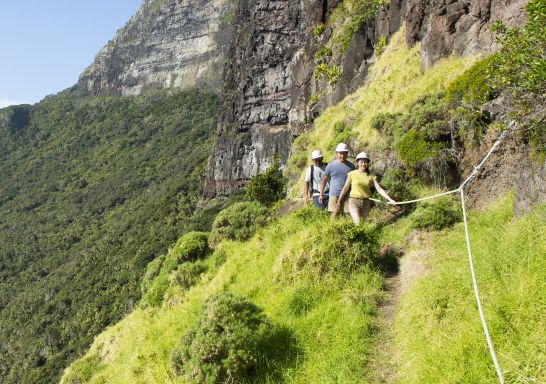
<point x="324" y="204"/>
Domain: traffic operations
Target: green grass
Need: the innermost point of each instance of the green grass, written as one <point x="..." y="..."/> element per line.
<point x="438" y="329"/>
<point x="329" y="320"/>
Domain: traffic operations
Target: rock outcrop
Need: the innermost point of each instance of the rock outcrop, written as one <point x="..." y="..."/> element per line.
<point x="458" y="26"/>
<point x="167" y="43"/>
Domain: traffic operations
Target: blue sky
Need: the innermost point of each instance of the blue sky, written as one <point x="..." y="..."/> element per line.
<point x="46" y="44"/>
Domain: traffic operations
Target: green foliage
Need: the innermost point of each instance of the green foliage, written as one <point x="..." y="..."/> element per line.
<point x="224" y="344"/>
<point x="187" y="274"/>
<point x="90" y="193"/>
<point x="414" y="148"/>
<point x="336" y="249"/>
<point x="238" y="222"/>
<point x="398" y="183"/>
<point x="517" y="70"/>
<point x="343" y="134"/>
<point x="438" y="213"/>
<point x="84" y="369"/>
<point x="331" y="73"/>
<point x="318" y="30"/>
<point x="268" y="187"/>
<point x="425" y="121"/>
<point x="152" y="271"/>
<point x="380" y="46"/>
<point x="190" y="247"/>
<point x="349" y="17"/>
<point x="314" y="99"/>
<point x="473" y="87"/>
<point x="323" y="55"/>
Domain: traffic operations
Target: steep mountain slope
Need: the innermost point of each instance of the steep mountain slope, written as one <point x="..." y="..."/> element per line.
<point x="166" y="44"/>
<point x="96" y="187"/>
<point x="92" y="189"/>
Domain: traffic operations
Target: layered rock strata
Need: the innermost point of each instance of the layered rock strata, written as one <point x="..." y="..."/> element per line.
<point x="269" y="81"/>
<point x="167" y="43"/>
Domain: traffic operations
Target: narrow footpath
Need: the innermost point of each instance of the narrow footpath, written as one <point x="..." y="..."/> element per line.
<point x="384" y="362"/>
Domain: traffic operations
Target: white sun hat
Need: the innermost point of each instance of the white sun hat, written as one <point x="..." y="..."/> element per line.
<point x="316" y="154"/>
<point x="342" y="147"/>
<point x="362" y="155"/>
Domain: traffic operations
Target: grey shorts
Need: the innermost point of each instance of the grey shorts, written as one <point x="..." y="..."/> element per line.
<point x="359" y="209"/>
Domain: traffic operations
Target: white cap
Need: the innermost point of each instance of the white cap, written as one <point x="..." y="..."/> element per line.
<point x="316" y="154"/>
<point x="342" y="147"/>
<point x="362" y="155"/>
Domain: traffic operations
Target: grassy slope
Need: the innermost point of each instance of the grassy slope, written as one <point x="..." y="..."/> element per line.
<point x="438" y="329"/>
<point x="332" y="337"/>
<point x="330" y="334"/>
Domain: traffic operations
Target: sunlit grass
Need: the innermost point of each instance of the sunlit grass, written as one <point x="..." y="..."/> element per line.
<point x="438" y="328"/>
<point x="331" y="319"/>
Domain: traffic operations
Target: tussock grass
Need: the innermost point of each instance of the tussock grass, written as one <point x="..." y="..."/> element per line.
<point x="438" y="330"/>
<point x="328" y="322"/>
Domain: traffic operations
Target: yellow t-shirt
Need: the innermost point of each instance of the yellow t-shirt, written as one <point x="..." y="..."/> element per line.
<point x="361" y="184"/>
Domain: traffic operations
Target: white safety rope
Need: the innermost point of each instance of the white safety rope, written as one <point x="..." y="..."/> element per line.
<point x="477" y="294"/>
<point x="470" y="259"/>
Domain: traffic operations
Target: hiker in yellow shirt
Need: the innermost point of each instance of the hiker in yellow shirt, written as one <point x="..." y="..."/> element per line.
<point x="360" y="182"/>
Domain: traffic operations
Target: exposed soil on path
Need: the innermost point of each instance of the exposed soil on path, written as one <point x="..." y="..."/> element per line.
<point x="384" y="360"/>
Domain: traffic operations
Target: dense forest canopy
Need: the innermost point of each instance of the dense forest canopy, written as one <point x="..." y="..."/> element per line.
<point x="91" y="190"/>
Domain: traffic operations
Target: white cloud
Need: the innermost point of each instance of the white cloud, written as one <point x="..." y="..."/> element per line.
<point x="7" y="102"/>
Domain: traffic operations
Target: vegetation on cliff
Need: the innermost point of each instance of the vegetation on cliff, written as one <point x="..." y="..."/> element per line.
<point x="92" y="190"/>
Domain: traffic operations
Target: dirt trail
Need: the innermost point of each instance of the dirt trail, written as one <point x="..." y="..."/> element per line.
<point x="383" y="362"/>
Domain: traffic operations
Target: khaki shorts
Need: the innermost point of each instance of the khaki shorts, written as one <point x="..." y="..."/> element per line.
<point x="359" y="209"/>
<point x="332" y="202"/>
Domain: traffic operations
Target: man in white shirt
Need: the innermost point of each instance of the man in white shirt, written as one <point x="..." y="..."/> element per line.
<point x="313" y="178"/>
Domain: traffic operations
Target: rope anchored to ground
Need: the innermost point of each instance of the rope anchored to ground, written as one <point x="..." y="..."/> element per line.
<point x="460" y="190"/>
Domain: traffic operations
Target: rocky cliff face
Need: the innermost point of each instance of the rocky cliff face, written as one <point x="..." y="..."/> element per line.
<point x="269" y="83"/>
<point x="167" y="43"/>
<point x="261" y="54"/>
<point x="457" y="26"/>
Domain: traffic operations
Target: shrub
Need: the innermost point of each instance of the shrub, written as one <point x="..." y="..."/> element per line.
<point x="397" y="183"/>
<point x="323" y="54"/>
<point x="319" y="29"/>
<point x="439" y="213"/>
<point x="338" y="248"/>
<point x="380" y="46"/>
<point x="473" y="86"/>
<point x="152" y="271"/>
<point x="238" y="222"/>
<point x="188" y="274"/>
<point x="267" y="187"/>
<point x="414" y="148"/>
<point x="224" y="344"/>
<point x="191" y="246"/>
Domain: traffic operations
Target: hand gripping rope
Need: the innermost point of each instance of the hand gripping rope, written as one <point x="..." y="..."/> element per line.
<point x="460" y="190"/>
